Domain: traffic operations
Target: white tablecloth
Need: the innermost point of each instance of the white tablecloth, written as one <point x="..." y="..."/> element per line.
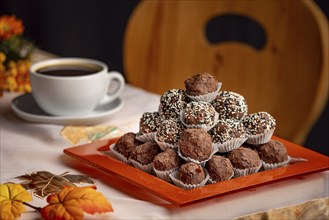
<point x="28" y="147"/>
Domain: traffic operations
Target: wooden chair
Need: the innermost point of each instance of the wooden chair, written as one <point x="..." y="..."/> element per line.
<point x="165" y="41"/>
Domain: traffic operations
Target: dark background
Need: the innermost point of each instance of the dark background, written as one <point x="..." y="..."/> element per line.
<point x="95" y="29"/>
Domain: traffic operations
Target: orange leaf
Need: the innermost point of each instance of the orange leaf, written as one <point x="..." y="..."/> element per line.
<point x="71" y="202"/>
<point x="11" y="198"/>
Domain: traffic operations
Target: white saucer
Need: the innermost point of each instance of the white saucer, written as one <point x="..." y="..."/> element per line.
<point x="26" y="108"/>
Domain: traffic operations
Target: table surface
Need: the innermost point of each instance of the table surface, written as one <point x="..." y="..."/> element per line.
<point x="29" y="147"/>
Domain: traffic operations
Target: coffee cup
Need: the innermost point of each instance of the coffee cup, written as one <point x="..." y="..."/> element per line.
<point x="73" y="86"/>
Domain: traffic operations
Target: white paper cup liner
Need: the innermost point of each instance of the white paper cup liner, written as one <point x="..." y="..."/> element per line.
<point x="210" y="181"/>
<point x="164" y="145"/>
<point x="177" y="182"/>
<point x="188" y="159"/>
<point x="230" y="145"/>
<point x="200" y="126"/>
<point x="270" y="166"/>
<point x="260" y="138"/>
<point x="246" y="172"/>
<point x="146" y="137"/>
<point x="118" y="155"/>
<point x="146" y="168"/>
<point x="207" y="97"/>
<point x="164" y="175"/>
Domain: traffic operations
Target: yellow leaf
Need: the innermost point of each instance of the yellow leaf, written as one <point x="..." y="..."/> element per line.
<point x="71" y="202"/>
<point x="11" y="198"/>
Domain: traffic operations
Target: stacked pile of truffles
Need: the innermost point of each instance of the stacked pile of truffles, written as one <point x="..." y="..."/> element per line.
<point x="202" y="135"/>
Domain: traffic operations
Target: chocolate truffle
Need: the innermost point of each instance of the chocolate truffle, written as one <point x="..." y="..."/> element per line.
<point x="191" y="173"/>
<point x="258" y="123"/>
<point x="219" y="168"/>
<point x="244" y="158"/>
<point x="230" y="105"/>
<point x="199" y="113"/>
<point x="169" y="131"/>
<point x="145" y="153"/>
<point x="200" y="84"/>
<point x="195" y="144"/>
<point x="171" y="103"/>
<point x="226" y="130"/>
<point x="166" y="160"/>
<point x="126" y="144"/>
<point x="149" y="122"/>
<point x="272" y="152"/>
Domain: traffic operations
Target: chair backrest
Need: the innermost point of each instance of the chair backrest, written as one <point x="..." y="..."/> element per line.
<point x="166" y="41"/>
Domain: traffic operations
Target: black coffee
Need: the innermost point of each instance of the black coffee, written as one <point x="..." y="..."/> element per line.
<point x="68" y="70"/>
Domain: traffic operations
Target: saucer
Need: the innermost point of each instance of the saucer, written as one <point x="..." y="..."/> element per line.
<point x="26" y="108"/>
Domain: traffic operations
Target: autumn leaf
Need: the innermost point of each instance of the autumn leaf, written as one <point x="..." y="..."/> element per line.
<point x="71" y="202"/>
<point x="44" y="183"/>
<point x="12" y="197"/>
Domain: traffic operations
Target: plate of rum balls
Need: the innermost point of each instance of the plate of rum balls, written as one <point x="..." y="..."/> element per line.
<point x="202" y="135"/>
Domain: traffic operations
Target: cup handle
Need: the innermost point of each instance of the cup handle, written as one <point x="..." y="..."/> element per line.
<point x="113" y="75"/>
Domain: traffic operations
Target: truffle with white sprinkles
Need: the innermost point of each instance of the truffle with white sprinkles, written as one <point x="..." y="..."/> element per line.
<point x="148" y="122"/>
<point x="169" y="131"/>
<point x="199" y="113"/>
<point x="258" y="123"/>
<point x="230" y="105"/>
<point x="171" y="103"/>
<point x="226" y="130"/>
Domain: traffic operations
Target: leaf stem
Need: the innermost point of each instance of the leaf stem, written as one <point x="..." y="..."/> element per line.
<point x="32" y="206"/>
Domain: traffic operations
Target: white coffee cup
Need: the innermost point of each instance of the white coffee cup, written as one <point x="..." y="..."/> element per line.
<point x="73" y="86"/>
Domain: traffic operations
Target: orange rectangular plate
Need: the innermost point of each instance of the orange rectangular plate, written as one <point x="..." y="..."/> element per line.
<point x="95" y="155"/>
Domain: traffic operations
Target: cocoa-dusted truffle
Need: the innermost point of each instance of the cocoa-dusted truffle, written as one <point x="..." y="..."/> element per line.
<point x="272" y="152"/>
<point x="199" y="113"/>
<point x="230" y="105"/>
<point x="169" y="131"/>
<point x="244" y="158"/>
<point x="258" y="123"/>
<point x="191" y="173"/>
<point x="145" y="153"/>
<point x="200" y="84"/>
<point x="219" y="168"/>
<point x="226" y="130"/>
<point x="148" y="122"/>
<point x="166" y="160"/>
<point x="195" y="144"/>
<point x="126" y="144"/>
<point x="171" y="103"/>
